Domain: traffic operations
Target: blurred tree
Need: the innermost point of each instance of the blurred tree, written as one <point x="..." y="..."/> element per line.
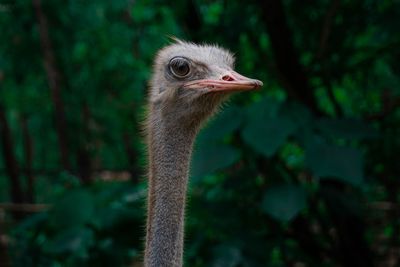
<point x="54" y="80"/>
<point x="9" y="158"/>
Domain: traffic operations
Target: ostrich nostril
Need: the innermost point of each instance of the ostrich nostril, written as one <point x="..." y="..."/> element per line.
<point x="227" y="78"/>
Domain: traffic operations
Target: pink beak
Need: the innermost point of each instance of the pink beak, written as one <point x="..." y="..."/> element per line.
<point x="232" y="81"/>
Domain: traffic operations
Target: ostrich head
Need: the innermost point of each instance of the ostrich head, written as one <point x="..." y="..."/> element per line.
<point x="190" y="80"/>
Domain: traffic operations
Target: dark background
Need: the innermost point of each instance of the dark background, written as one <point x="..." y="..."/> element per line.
<point x="304" y="172"/>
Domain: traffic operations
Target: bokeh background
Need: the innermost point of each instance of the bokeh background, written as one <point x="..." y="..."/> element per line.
<point x="304" y="172"/>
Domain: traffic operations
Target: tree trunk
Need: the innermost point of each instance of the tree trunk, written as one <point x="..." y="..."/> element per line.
<point x="9" y="158"/>
<point x="84" y="163"/>
<point x="28" y="149"/>
<point x="4" y="256"/>
<point x="287" y="61"/>
<point x="53" y="77"/>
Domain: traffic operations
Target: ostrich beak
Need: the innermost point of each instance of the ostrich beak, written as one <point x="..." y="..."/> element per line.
<point x="229" y="82"/>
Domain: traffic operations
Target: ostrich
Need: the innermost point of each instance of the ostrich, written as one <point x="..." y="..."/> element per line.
<point x="188" y="84"/>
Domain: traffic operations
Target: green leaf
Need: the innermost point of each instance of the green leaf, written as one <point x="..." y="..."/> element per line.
<point x="227" y="256"/>
<point x="266" y="108"/>
<point x="73" y="209"/>
<point x="266" y="130"/>
<point x="328" y="161"/>
<point x="31" y="222"/>
<point x="225" y="123"/>
<point x="213" y="13"/>
<point x="346" y="128"/>
<point x="266" y="136"/>
<point x="212" y="157"/>
<point x="74" y="240"/>
<point x="284" y="202"/>
<point x="297" y="112"/>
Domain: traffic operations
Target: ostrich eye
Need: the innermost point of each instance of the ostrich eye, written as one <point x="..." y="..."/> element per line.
<point x="179" y="67"/>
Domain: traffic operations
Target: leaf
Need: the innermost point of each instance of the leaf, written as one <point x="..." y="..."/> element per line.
<point x="73" y="240"/>
<point x="346" y="128"/>
<point x="31" y="222"/>
<point x="225" y="123"/>
<point x="298" y="113"/>
<point x="266" y="108"/>
<point x="73" y="209"/>
<point x="213" y="157"/>
<point x="266" y="136"/>
<point x="341" y="163"/>
<point x="227" y="256"/>
<point x="284" y="202"/>
<point x="265" y="130"/>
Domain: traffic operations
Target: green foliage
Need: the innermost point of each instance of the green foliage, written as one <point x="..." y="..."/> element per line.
<point x="212" y="158"/>
<point x="347" y="128"/>
<point x="85" y="227"/>
<point x="284" y="202"/>
<point x="211" y="152"/>
<point x="73" y="210"/>
<point x="265" y="130"/>
<point x="337" y="162"/>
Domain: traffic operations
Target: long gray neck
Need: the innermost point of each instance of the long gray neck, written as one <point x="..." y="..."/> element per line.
<point x="170" y="145"/>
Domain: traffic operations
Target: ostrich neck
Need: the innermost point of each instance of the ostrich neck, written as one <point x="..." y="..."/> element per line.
<point x="170" y="145"/>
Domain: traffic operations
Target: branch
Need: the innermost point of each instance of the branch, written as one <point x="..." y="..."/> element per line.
<point x="329" y="90"/>
<point x="326" y="28"/>
<point x="24" y="207"/>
